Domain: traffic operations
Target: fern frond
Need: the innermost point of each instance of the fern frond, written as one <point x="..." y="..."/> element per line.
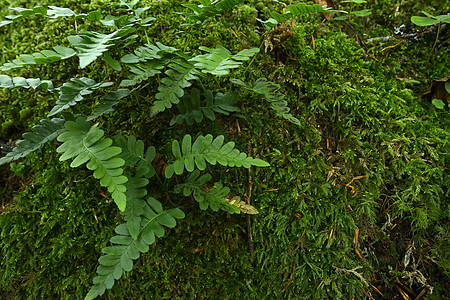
<point x="34" y="83"/>
<point x="32" y="141"/>
<point x="271" y="92"/>
<point x="52" y="12"/>
<point x="38" y="58"/>
<point x="91" y="44"/>
<point x="207" y="9"/>
<point x="107" y="103"/>
<point x="219" y="61"/>
<point x="192" y="183"/>
<point x="135" y="203"/>
<point x="215" y="198"/>
<point x="191" y="109"/>
<point x="120" y="256"/>
<point x="84" y="144"/>
<point x="133" y="154"/>
<point x="72" y="92"/>
<point x="205" y="149"/>
<point x="147" y="61"/>
<point x="179" y="74"/>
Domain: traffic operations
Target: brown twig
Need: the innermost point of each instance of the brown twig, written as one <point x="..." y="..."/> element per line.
<point x="249" y="195"/>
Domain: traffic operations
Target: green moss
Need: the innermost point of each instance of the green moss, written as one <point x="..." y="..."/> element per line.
<point x="368" y="150"/>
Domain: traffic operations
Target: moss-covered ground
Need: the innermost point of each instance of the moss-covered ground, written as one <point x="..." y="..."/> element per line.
<point x="355" y="202"/>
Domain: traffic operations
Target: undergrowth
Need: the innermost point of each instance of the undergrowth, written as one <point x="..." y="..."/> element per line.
<point x="354" y="202"/>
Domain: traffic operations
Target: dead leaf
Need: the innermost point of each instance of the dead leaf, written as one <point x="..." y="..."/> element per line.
<point x="438" y="90"/>
<point x="244" y="207"/>
<point x="327" y="3"/>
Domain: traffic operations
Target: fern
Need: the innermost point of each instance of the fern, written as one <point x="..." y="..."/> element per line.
<point x="84" y="144"/>
<point x="179" y="74"/>
<point x="126" y="249"/>
<point x="207" y="9"/>
<point x="146" y="62"/>
<point x="219" y="61"/>
<point x="205" y="149"/>
<point x="213" y="198"/>
<point x="72" y="92"/>
<point x="52" y="12"/>
<point x="92" y="44"/>
<point x="133" y="154"/>
<point x="142" y="72"/>
<point x="271" y="92"/>
<point x="108" y="102"/>
<point x="32" y="141"/>
<point x="191" y="109"/>
<point x="34" y="83"/>
<point x="42" y="57"/>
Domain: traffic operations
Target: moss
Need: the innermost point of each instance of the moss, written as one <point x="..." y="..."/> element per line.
<point x="370" y="156"/>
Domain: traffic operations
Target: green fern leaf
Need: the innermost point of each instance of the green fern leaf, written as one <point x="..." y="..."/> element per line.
<point x="206" y="10"/>
<point x="135" y="203"/>
<point x="92" y="44"/>
<point x="191" y="109"/>
<point x="84" y="144"/>
<point x="107" y="103"/>
<point x="70" y="93"/>
<point x="133" y="154"/>
<point x="179" y="74"/>
<point x="43" y="57"/>
<point x="52" y="12"/>
<point x="142" y="72"/>
<point x="205" y="149"/>
<point x="146" y="62"/>
<point x="271" y="92"/>
<point x="120" y="256"/>
<point x="34" y="83"/>
<point x="192" y="183"/>
<point x="32" y="141"/>
<point x="219" y="61"/>
<point x="214" y="198"/>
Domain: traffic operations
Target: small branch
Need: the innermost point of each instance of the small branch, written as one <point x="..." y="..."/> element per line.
<point x="249" y="195"/>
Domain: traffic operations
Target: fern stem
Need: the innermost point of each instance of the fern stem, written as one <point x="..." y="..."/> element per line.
<point x="253" y="58"/>
<point x="435" y="42"/>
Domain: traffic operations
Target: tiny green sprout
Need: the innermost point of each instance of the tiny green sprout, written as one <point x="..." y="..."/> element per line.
<point x="438" y="103"/>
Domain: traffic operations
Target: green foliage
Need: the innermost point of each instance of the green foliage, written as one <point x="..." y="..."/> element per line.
<point x="191" y="109"/>
<point x="205" y="149"/>
<point x="207" y="9"/>
<point x="72" y="92"/>
<point x="126" y="249"/>
<point x="214" y="198"/>
<point x="34" y="83"/>
<point x="219" y="61"/>
<point x="365" y="147"/>
<point x="48" y="131"/>
<point x="52" y="12"/>
<point x="271" y="92"/>
<point x="92" y="44"/>
<point x="429" y="19"/>
<point x="38" y="58"/>
<point x="107" y="103"/>
<point x="84" y="144"/>
<point x="179" y="73"/>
